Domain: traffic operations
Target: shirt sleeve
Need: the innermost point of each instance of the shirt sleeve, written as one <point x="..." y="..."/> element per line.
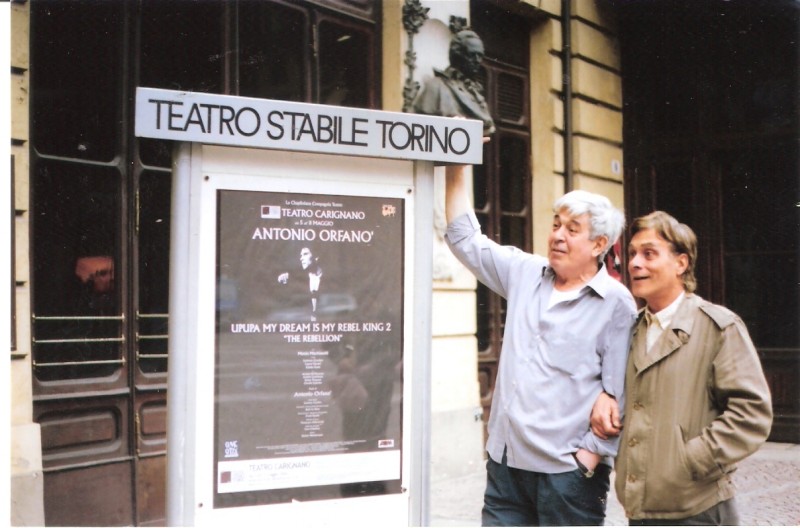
<point x="614" y="348"/>
<point x="616" y="345"/>
<point x="486" y="259"/>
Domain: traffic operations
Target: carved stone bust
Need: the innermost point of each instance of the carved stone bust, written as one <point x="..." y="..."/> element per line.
<point x="456" y="91"/>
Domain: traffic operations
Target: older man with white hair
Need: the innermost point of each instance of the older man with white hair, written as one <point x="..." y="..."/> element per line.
<point x="567" y="332"/>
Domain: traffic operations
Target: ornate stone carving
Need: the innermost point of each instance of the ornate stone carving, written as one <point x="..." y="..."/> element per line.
<point x="414" y="15"/>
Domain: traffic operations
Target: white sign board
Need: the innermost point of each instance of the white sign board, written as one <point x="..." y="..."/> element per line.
<point x="263" y="123"/>
<point x="300" y="290"/>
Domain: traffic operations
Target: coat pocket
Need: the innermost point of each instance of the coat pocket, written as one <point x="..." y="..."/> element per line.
<point x="669" y="478"/>
<point x="681" y="460"/>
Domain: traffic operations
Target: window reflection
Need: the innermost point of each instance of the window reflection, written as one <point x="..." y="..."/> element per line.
<point x="77" y="322"/>
<point x="76" y="220"/>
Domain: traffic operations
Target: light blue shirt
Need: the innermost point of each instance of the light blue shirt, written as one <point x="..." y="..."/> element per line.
<point x="554" y="362"/>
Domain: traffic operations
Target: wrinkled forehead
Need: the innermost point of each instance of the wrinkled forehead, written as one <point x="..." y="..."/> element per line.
<point x="566" y="216"/>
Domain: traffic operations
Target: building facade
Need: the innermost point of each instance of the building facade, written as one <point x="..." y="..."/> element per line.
<point x="92" y="201"/>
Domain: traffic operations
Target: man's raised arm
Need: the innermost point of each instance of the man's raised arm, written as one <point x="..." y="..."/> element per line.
<point x="456" y="197"/>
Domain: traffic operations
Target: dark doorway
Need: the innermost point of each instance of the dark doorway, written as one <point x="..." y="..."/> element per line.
<point x="711" y="136"/>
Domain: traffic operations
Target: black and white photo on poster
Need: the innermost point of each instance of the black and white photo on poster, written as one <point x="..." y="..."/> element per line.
<point x="309" y="343"/>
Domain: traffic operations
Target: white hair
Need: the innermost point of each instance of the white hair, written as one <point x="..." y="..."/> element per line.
<point x="604" y="219"/>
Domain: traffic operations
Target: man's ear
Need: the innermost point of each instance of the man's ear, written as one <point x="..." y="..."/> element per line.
<point x="683" y="263"/>
<point x="600" y="244"/>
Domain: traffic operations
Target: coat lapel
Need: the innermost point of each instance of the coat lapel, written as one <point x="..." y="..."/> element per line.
<point x="671" y="340"/>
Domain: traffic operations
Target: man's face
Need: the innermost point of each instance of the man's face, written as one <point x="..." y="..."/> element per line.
<point x="655" y="269"/>
<point x="472" y="56"/>
<point x="569" y="249"/>
<point x="305" y="257"/>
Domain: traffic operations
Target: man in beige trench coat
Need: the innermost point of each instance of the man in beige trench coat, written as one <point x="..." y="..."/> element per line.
<point x="696" y="399"/>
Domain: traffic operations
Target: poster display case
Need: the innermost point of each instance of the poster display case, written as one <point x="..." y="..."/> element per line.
<point x="300" y="307"/>
<point x="305" y="370"/>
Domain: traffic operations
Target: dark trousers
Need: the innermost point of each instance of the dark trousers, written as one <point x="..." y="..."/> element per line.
<point x="515" y="497"/>
<point x="722" y="514"/>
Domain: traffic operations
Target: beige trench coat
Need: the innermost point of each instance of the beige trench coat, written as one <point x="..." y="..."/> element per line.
<point x="695" y="405"/>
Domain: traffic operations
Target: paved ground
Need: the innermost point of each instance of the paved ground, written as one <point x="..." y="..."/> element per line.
<point x="768" y="484"/>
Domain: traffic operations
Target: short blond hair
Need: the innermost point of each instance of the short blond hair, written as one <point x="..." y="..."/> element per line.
<point x="679" y="236"/>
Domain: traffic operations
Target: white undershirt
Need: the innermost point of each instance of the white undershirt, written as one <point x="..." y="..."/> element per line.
<point x="562" y="296"/>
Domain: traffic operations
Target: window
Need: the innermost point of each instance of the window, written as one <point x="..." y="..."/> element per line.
<point x="100" y="211"/>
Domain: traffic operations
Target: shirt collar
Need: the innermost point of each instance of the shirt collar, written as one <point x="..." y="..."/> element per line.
<point x="665" y="316"/>
<point x="599" y="283"/>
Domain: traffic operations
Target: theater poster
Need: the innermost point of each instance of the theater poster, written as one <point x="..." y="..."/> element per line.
<point x="309" y="347"/>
